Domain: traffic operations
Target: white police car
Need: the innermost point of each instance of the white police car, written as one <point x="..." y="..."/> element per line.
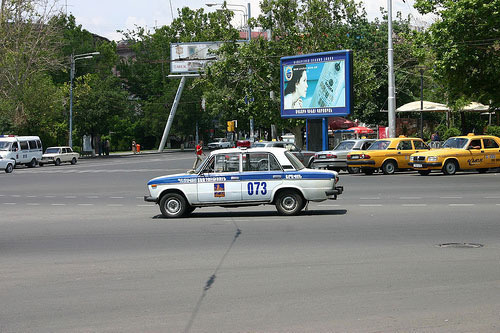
<point x="244" y="177"/>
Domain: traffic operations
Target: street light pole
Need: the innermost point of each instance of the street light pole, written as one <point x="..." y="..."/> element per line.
<point x="73" y="59"/>
<point x="247" y="12"/>
<point x="391" y="100"/>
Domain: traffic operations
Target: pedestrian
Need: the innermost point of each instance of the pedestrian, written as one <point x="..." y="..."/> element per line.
<point x="199" y="152"/>
<point x="134" y="147"/>
<point x="107" y="146"/>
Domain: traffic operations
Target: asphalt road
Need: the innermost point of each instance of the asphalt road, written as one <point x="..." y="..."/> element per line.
<point x="80" y="251"/>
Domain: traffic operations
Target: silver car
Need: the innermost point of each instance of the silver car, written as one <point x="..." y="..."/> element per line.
<point x="336" y="159"/>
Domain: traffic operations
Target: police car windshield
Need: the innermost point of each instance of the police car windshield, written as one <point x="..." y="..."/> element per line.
<point x="296" y="163"/>
<point x="345" y="145"/>
<point x="455" y="143"/>
<point x="379" y="145"/>
<point x="52" y="151"/>
<point x="4" y="145"/>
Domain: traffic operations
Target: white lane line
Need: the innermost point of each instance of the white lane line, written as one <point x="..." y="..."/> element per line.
<point x="139" y="197"/>
<point x="461" y="205"/>
<point x="370" y="205"/>
<point x="114" y="205"/>
<point x="70" y="197"/>
<point x="33" y="204"/>
<point x="2" y="195"/>
<point x="414" y="205"/>
<point x="497" y="205"/>
<point x="328" y="205"/>
<point x="450" y="197"/>
<point x="85" y="204"/>
<point x="31" y="196"/>
<point x="410" y="198"/>
<point x="373" y="198"/>
<point x="145" y="205"/>
<point x="58" y="204"/>
<point x="491" y="197"/>
<point x="9" y="203"/>
<point x="15" y="195"/>
<point x="117" y="197"/>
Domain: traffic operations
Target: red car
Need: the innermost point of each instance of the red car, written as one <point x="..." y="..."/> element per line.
<point x="243" y="143"/>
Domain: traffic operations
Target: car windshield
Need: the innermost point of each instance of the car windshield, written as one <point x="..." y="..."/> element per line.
<point x="297" y="164"/>
<point x="4" y="145"/>
<point x="52" y="151"/>
<point x="379" y="145"/>
<point x="459" y="143"/>
<point x="345" y="145"/>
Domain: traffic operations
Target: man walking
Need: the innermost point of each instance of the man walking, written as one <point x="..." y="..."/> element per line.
<point x="199" y="152"/>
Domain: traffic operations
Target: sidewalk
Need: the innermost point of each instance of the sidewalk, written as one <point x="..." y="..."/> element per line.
<point x="131" y="154"/>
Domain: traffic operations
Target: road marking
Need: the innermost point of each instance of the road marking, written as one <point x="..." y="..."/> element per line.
<point x="461" y="205"/>
<point x="15" y="195"/>
<point x="114" y="205"/>
<point x="85" y="204"/>
<point x="9" y="203"/>
<point x="410" y="198"/>
<point x="70" y="197"/>
<point x="58" y="204"/>
<point x="414" y="205"/>
<point x="139" y="197"/>
<point x="2" y="195"/>
<point x="328" y="205"/>
<point x="370" y="205"/>
<point x="491" y="197"/>
<point x="374" y="198"/>
<point x="31" y="196"/>
<point x="450" y="197"/>
<point x="146" y="205"/>
<point x="92" y="197"/>
<point x="117" y="198"/>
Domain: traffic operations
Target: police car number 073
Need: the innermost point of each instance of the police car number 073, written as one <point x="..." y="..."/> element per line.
<point x="231" y="177"/>
<point x="253" y="188"/>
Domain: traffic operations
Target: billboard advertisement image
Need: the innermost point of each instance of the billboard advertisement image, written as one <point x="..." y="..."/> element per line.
<point x="316" y="85"/>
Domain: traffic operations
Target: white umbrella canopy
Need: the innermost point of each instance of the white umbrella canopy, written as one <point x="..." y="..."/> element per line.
<point x="474" y="106"/>
<point x="427" y="107"/>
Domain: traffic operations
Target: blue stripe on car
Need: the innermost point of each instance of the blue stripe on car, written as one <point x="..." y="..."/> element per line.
<point x="241" y="177"/>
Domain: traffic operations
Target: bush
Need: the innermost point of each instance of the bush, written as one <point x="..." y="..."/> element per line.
<point x="493" y="130"/>
<point x="452" y="131"/>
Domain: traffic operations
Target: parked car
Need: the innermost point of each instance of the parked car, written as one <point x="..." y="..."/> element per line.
<point x="336" y="159"/>
<point x="58" y="155"/>
<point x="25" y="150"/>
<point x="244" y="177"/>
<point x="305" y="156"/>
<point x="219" y="143"/>
<point x="479" y="152"/>
<point x="388" y="155"/>
<point x="243" y="143"/>
<point x="7" y="164"/>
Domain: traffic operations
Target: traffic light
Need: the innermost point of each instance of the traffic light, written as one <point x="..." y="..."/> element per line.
<point x="230" y="126"/>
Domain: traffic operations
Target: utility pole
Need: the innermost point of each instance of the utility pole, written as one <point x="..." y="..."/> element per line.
<point x="391" y="100"/>
<point x="421" y="102"/>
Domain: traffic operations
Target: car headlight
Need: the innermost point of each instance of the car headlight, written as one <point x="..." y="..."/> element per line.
<point x="432" y="158"/>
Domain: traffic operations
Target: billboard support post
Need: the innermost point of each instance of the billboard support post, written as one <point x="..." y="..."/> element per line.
<point x="325" y="133"/>
<point x="172" y="114"/>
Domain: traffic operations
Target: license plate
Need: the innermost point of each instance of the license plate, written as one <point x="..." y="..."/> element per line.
<point x="416" y="165"/>
<point x="354" y="157"/>
<point x="322" y="156"/>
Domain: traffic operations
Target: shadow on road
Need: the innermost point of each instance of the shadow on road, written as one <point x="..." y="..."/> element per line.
<point x="201" y="214"/>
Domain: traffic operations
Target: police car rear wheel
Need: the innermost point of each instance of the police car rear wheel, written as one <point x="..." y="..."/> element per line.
<point x="289" y="203"/>
<point x="173" y="205"/>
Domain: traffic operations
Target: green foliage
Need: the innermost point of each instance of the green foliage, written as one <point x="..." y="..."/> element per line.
<point x="452" y="131"/>
<point x="493" y="130"/>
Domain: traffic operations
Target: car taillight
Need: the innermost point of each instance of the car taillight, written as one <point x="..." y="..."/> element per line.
<point x="331" y="156"/>
<point x="365" y="156"/>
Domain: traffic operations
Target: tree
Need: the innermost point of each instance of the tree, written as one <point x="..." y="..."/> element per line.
<point x="28" y="48"/>
<point x="466" y="43"/>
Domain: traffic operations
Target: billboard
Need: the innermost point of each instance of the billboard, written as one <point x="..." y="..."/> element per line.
<point x="316" y="85"/>
<point x="191" y="57"/>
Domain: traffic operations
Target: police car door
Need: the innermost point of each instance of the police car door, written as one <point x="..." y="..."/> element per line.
<point x="261" y="175"/>
<point x="220" y="179"/>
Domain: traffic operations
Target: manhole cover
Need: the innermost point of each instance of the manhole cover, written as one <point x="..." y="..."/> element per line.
<point x="461" y="245"/>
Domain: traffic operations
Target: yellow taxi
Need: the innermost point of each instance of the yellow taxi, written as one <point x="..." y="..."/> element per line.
<point x="479" y="152"/>
<point x="388" y="154"/>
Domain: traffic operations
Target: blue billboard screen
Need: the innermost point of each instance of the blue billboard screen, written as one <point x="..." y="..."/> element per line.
<point x="316" y="85"/>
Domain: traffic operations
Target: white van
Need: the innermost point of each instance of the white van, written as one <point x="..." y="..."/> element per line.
<point x="26" y="150"/>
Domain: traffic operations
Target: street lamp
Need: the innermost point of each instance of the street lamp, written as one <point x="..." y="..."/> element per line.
<point x="73" y="59"/>
<point x="247" y="12"/>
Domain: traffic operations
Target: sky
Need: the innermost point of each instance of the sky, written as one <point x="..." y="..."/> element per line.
<point x="105" y="17"/>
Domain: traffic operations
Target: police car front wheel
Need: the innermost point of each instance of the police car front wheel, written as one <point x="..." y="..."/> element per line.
<point x="173" y="205"/>
<point x="289" y="203"/>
